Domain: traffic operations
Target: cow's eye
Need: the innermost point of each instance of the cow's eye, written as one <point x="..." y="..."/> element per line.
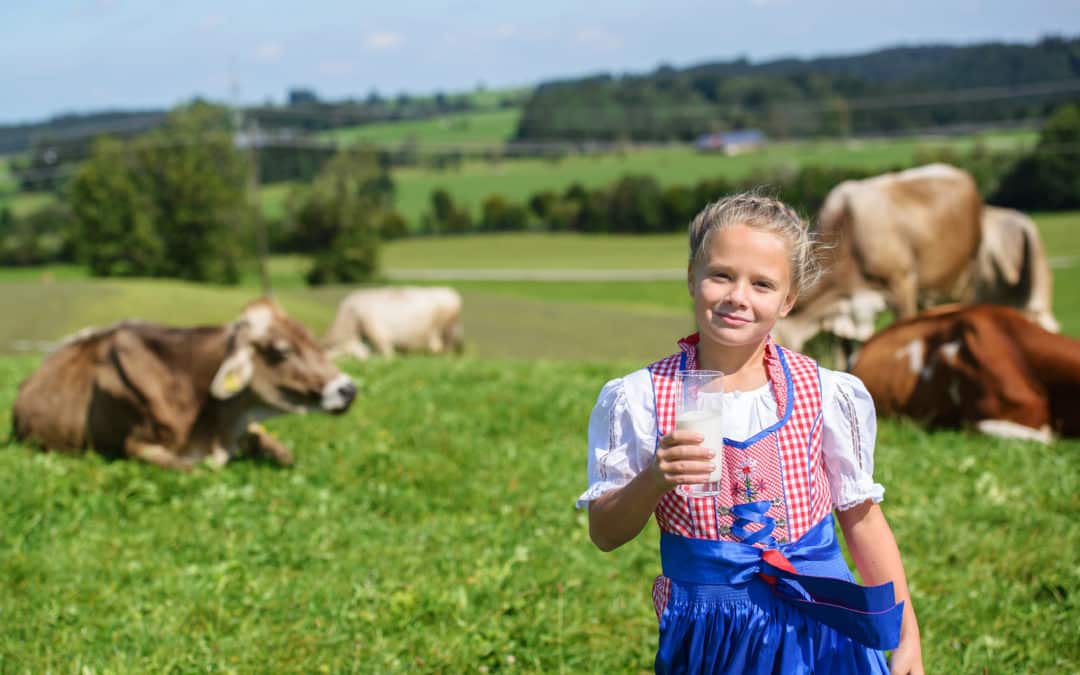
<point x="278" y="350"/>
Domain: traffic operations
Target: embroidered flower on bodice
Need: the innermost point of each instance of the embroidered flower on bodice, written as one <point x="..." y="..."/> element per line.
<point x="747" y="486"/>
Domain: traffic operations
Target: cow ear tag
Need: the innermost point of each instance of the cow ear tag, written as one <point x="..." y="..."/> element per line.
<point x="233" y="375"/>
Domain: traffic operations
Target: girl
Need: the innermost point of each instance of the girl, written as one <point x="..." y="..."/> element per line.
<point x="754" y="580"/>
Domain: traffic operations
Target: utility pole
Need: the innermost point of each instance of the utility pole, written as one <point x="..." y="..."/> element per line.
<point x="250" y="137"/>
<point x="261" y="243"/>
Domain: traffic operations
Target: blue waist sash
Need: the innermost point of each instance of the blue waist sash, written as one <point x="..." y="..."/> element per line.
<point x="869" y="615"/>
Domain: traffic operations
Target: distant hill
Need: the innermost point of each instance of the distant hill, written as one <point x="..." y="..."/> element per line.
<point x="304" y="113"/>
<point x="884" y="91"/>
<point x="18" y="137"/>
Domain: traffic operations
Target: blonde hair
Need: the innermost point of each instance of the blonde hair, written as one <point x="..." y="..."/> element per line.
<point x="767" y="215"/>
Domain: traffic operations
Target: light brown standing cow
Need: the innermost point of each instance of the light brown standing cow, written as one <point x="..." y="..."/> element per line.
<point x="986" y="366"/>
<point x="897" y="240"/>
<point x="396" y="319"/>
<point x="174" y="396"/>
<point x="1012" y="267"/>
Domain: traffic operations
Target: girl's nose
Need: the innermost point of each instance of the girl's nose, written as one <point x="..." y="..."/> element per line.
<point x="737" y="295"/>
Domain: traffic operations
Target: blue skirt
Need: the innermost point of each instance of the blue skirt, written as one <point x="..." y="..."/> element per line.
<point x="747" y="625"/>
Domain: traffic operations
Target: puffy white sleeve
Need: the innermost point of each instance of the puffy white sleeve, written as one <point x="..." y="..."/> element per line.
<point x="850" y="427"/>
<point x="618" y="448"/>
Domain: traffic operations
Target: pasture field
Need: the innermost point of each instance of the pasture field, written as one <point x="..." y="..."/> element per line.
<point x="525" y="319"/>
<point x="479" y="128"/>
<point x="432" y="529"/>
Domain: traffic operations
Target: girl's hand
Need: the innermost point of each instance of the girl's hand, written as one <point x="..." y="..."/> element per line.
<point x="906" y="659"/>
<point x="681" y="461"/>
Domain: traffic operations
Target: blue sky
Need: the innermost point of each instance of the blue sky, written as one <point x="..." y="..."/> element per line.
<point x="84" y="55"/>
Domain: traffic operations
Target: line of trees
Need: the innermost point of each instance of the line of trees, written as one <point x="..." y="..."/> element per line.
<point x="885" y="91"/>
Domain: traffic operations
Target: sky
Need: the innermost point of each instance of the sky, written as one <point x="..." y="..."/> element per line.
<point x="91" y="55"/>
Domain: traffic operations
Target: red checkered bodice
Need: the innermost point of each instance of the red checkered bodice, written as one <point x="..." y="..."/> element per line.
<point x="781" y="464"/>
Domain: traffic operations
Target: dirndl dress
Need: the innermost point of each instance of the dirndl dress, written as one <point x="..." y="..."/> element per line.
<point x="754" y="580"/>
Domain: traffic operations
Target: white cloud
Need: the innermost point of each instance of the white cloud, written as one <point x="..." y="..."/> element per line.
<point x="599" y="38"/>
<point x="505" y="31"/>
<point x="268" y="52"/>
<point x="383" y="40"/>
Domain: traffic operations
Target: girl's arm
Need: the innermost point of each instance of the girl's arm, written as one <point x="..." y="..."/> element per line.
<point x="873" y="548"/>
<point x="618" y="516"/>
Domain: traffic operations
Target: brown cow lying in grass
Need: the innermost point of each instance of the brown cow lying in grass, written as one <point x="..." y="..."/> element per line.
<point x="175" y="396"/>
<point x="982" y="365"/>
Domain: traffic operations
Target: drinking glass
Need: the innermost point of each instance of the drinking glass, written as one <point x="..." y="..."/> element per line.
<point x="699" y="408"/>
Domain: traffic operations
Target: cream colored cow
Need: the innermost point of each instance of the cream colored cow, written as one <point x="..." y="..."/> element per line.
<point x="898" y="240"/>
<point x="394" y="319"/>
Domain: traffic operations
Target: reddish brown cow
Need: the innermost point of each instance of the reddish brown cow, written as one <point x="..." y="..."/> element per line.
<point x="982" y="365"/>
<point x="174" y="396"/>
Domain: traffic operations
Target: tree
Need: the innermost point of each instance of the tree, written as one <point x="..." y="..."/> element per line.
<point x="445" y="216"/>
<point x="198" y="181"/>
<point x="344" y="215"/>
<point x="1048" y="178"/>
<point x="114" y="231"/>
<point x="172" y="202"/>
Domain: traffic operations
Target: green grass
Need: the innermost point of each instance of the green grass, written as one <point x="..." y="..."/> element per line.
<point x="538" y="251"/>
<point x="431" y="529"/>
<point x="486" y="128"/>
<point x="24" y="203"/>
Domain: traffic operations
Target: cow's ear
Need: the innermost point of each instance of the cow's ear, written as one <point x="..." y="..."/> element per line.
<point x="234" y="374"/>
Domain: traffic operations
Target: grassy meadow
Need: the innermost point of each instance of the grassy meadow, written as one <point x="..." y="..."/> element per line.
<point x="481" y="128"/>
<point x="432" y="527"/>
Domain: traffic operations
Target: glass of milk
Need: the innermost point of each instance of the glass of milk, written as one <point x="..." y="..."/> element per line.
<point x="699" y="407"/>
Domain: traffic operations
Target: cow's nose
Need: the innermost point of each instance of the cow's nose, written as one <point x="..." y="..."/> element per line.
<point x="347" y="391"/>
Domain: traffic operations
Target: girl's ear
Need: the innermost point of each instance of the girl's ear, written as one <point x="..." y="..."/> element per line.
<point x="690" y="278"/>
<point x="789" y="303"/>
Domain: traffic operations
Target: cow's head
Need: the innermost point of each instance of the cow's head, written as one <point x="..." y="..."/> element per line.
<point x="849" y="316"/>
<point x="276" y="359"/>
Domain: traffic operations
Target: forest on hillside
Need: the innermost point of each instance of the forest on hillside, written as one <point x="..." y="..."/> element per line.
<point x="886" y="91"/>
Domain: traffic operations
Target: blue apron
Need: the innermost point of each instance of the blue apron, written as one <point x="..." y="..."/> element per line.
<point x="737" y="608"/>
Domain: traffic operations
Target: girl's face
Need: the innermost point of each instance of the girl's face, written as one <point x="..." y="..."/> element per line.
<point x="741" y="285"/>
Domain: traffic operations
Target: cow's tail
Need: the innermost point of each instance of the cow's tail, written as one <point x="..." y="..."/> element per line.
<point x="1035" y="275"/>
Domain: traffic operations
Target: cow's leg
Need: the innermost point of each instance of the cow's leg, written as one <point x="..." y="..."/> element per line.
<point x="381" y="342"/>
<point x="260" y="443"/>
<point x="905" y="292"/>
<point x="454" y="338"/>
<point x="435" y="343"/>
<point x="358" y="350"/>
<point x="158" y="455"/>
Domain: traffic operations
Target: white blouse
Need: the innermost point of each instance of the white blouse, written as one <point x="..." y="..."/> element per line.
<point x="622" y="433"/>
